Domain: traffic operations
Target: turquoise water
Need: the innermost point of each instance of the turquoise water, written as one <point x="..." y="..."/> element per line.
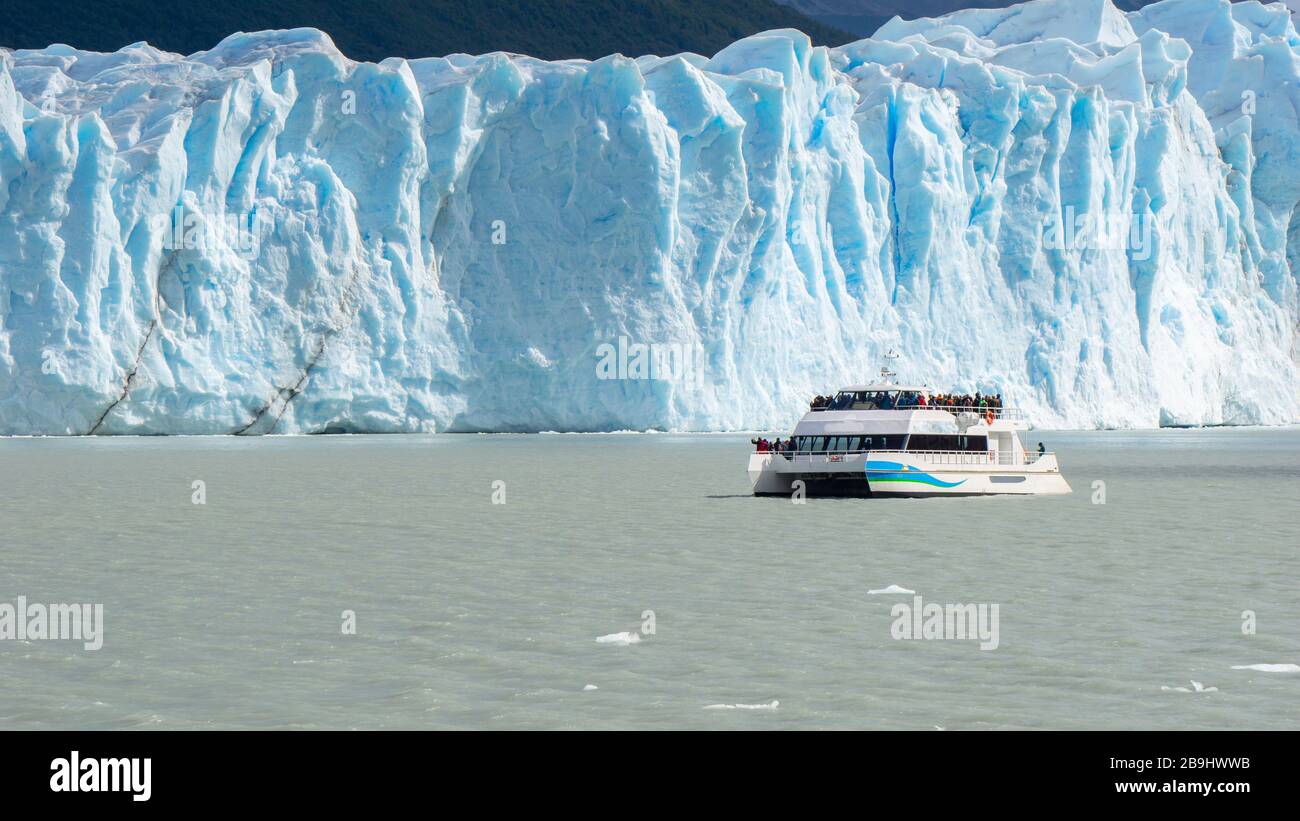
<point x="474" y="614"/>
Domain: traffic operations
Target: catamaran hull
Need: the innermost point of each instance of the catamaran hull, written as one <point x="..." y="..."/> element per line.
<point x="900" y="474"/>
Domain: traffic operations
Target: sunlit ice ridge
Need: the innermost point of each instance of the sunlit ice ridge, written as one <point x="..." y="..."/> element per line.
<point x="1090" y="212"/>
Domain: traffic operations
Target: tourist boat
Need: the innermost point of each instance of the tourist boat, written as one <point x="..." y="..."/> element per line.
<point x="880" y="440"/>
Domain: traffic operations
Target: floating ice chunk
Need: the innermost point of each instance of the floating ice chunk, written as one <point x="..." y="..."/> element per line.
<point x="892" y="590"/>
<point x="1269" y="668"/>
<point x="620" y="638"/>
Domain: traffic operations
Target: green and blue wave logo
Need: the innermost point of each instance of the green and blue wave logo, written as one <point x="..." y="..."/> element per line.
<point x="898" y="472"/>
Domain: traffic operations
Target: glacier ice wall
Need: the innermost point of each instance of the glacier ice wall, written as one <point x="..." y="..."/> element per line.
<point x="1092" y="212"/>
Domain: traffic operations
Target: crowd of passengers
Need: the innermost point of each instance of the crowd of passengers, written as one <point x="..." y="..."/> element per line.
<point x="894" y="400"/>
<point x="776" y="445"/>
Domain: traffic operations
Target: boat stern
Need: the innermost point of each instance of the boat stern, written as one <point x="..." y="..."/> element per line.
<point x="765" y="476"/>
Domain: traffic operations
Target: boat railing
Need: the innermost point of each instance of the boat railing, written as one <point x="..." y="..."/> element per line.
<point x="974" y="457"/>
<point x="998" y="413"/>
<point x="929" y="457"/>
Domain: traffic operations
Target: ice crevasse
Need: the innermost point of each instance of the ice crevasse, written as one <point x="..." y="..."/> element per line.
<point x="1091" y="212"/>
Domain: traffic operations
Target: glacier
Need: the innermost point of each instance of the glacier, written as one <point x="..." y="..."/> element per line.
<point x="1091" y="212"/>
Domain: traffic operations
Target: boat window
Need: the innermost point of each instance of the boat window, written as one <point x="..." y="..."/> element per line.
<point x="875" y="400"/>
<point x="810" y="444"/>
<point x="893" y="400"/>
<point x="856" y="444"/>
<point x="880" y="442"/>
<point x="946" y="442"/>
<point x="865" y="400"/>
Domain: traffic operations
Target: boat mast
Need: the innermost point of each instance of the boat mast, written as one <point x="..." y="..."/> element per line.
<point x="886" y="374"/>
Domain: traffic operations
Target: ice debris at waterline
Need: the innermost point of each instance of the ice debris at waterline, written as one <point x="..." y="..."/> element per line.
<point x="623" y="638"/>
<point x="1091" y="212"/>
<point x="771" y="705"/>
<point x="892" y="590"/>
<point x="1269" y="668"/>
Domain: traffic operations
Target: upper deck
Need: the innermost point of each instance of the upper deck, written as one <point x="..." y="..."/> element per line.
<point x="891" y="397"/>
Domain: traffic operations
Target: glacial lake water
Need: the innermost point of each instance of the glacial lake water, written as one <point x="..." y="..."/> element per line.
<point x="475" y="614"/>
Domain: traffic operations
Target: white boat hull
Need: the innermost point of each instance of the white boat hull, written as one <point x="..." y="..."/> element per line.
<point x="900" y="473"/>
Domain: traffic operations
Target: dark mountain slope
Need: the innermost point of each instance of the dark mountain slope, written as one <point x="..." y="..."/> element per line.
<point x="375" y="29"/>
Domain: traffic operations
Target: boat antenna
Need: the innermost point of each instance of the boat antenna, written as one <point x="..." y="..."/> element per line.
<point x="886" y="374"/>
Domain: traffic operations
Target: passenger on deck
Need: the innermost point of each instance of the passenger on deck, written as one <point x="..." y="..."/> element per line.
<point x="981" y="403"/>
